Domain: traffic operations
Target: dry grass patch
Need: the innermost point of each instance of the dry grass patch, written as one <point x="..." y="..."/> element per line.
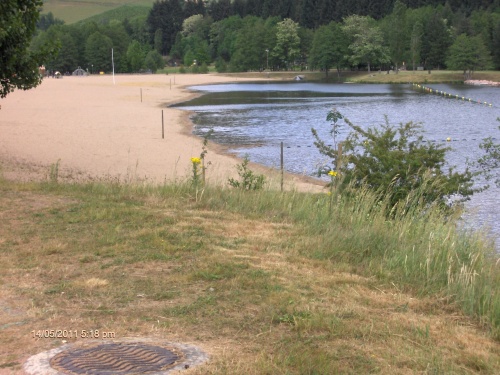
<point x="238" y="287"/>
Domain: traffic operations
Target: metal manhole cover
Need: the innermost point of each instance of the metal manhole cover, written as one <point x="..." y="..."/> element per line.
<point x="127" y="356"/>
<point x="116" y="359"/>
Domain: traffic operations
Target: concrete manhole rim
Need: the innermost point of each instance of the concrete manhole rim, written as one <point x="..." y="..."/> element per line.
<point x="39" y="364"/>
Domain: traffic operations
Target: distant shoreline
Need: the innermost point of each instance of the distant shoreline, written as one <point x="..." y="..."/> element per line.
<point x="491" y="78"/>
<point x="481" y="82"/>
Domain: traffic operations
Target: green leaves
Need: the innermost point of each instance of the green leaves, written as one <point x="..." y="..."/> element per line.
<point x="396" y="160"/>
<point x="489" y="163"/>
<point x="98" y="51"/>
<point x="366" y="41"/>
<point x="248" y="180"/>
<point x="329" y="47"/>
<point x="468" y="54"/>
<point x="19" y="65"/>
<point x="287" y="41"/>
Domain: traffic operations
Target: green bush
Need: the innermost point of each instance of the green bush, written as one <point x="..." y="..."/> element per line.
<point x="203" y="68"/>
<point x="490" y="162"/>
<point x="396" y="160"/>
<point x="221" y="66"/>
<point x="248" y="180"/>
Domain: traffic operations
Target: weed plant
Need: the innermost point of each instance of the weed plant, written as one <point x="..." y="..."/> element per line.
<point x="248" y="179"/>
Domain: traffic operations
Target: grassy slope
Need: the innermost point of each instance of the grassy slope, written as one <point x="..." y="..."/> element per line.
<point x="72" y="11"/>
<point x="130" y="12"/>
<point x="424" y="77"/>
<point x="268" y="283"/>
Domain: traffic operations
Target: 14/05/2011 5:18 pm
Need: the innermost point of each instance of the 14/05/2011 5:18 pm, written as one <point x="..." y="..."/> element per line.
<point x="70" y="334"/>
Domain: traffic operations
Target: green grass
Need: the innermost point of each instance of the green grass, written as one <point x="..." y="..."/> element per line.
<point x="71" y="11"/>
<point x="130" y="12"/>
<point x="177" y="70"/>
<point x="436" y="76"/>
<point x="267" y="282"/>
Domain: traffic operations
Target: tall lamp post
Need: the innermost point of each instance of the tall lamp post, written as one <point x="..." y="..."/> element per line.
<point x="267" y="58"/>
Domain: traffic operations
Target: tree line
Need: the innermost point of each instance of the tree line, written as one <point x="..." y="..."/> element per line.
<point x="314" y="13"/>
<point x="245" y="35"/>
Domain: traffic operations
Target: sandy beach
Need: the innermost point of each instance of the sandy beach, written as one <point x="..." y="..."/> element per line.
<point x="97" y="127"/>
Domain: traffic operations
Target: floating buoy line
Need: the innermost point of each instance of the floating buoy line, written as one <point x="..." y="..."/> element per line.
<point x="445" y="140"/>
<point x="445" y="94"/>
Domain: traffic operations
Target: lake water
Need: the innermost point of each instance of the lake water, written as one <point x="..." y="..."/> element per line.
<point x="254" y="118"/>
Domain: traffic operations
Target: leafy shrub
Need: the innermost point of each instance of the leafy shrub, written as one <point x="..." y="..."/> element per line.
<point x="221" y="66"/>
<point x="394" y="161"/>
<point x="490" y="162"/>
<point x="203" y="68"/>
<point x="248" y="180"/>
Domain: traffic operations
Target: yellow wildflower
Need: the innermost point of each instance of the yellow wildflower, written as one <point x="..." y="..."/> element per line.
<point x="332" y="173"/>
<point x="195" y="160"/>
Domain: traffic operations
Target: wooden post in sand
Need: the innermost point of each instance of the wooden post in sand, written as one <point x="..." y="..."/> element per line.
<point x="141" y="94"/>
<point x="162" y="126"/>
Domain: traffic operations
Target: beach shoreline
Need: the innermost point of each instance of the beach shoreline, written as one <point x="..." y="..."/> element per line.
<point x="482" y="82"/>
<point x="104" y="127"/>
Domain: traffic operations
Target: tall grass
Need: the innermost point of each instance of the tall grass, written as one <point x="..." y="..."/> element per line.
<point x="417" y="247"/>
<point x="414" y="246"/>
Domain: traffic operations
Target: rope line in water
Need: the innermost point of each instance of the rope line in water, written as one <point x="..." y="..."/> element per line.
<point x="449" y="95"/>
<point x="429" y="140"/>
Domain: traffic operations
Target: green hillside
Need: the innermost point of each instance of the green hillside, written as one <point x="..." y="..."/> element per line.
<point x="71" y="11"/>
<point x="129" y="12"/>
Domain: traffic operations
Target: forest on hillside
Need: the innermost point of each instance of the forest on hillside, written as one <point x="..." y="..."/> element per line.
<point x="253" y="35"/>
<point x="314" y="13"/>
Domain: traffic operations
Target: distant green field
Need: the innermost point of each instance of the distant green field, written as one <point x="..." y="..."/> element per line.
<point x="71" y="11"/>
<point x="130" y="12"/>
